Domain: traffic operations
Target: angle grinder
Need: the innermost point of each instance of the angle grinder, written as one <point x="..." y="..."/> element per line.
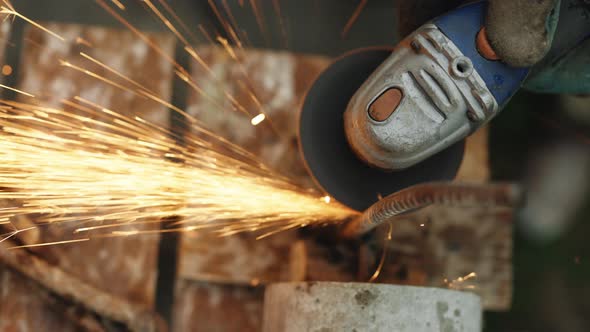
<point x="379" y="120"/>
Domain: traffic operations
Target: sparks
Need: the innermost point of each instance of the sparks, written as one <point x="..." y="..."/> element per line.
<point x="49" y="244"/>
<point x="8" y="10"/>
<point x="277" y="7"/>
<point x="118" y="4"/>
<point x="260" y="20"/>
<point x="355" y="15"/>
<point x="461" y="282"/>
<point x="91" y="166"/>
<point x="6" y="70"/>
<point x="388" y="237"/>
<point x="16" y="90"/>
<point x="226" y="25"/>
<point x="258" y="119"/>
<point x="96" y="166"/>
<point x="15" y="232"/>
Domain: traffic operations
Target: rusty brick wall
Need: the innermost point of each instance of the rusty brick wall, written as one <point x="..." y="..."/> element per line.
<point x="27" y="307"/>
<point x="278" y="81"/>
<point x="24" y="305"/>
<point x="124" y="266"/>
<point x="239" y="259"/>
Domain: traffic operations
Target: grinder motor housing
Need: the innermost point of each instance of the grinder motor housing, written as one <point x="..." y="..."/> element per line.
<point x="382" y="119"/>
<point x="436" y="88"/>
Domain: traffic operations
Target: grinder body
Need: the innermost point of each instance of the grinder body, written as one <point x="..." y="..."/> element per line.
<point x="434" y="89"/>
<point x="380" y="120"/>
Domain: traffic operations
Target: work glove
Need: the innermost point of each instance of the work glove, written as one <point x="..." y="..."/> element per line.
<point x="521" y="33"/>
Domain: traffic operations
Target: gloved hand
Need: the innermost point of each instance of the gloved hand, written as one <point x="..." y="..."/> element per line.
<point x="519" y="31"/>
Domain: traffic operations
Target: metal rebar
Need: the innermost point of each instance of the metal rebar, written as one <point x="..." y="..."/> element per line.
<point x="423" y="195"/>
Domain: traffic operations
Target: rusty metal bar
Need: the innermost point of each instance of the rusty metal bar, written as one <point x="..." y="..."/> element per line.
<point x="423" y="195"/>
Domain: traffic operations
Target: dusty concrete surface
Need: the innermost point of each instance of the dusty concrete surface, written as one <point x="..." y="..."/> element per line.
<point x="326" y="307"/>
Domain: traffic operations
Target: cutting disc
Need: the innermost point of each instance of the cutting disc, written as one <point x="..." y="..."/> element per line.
<point x="325" y="149"/>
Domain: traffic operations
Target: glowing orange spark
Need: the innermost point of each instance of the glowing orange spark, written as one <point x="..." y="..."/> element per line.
<point x="118" y="4"/>
<point x="113" y="225"/>
<point x="226" y="25"/>
<point x="177" y="18"/>
<point x="6" y="70"/>
<point x="16" y="232"/>
<point x="258" y="119"/>
<point x="146" y="232"/>
<point x="82" y="41"/>
<point x="139" y="34"/>
<point x="94" y="75"/>
<point x="198" y="89"/>
<point x="237" y="106"/>
<point x="143" y="92"/>
<point x="166" y="22"/>
<point x="227" y="47"/>
<point x="16" y="90"/>
<point x="9" y="10"/>
<point x="234" y="22"/>
<point x="259" y="20"/>
<point x="355" y="15"/>
<point x="193" y="53"/>
<point x="377" y="272"/>
<point x="460" y="283"/>
<point x="206" y="34"/>
<point x="48" y="244"/>
<point x="277" y="7"/>
<point x="96" y="166"/>
<point x="114" y="71"/>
